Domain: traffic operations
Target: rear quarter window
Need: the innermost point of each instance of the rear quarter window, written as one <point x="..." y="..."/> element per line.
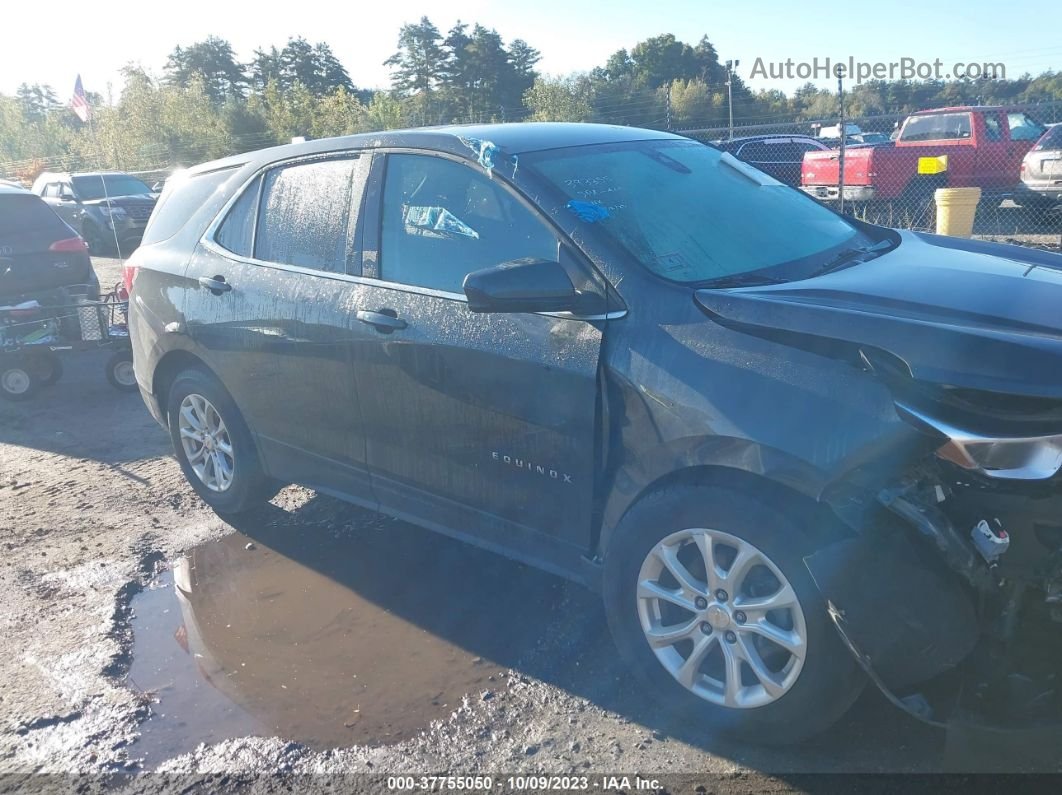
<point x="180" y="200"/>
<point x="24" y="214"/>
<point x="1052" y="139"/>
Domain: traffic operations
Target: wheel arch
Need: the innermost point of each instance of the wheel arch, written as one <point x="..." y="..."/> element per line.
<point x="812" y="513"/>
<point x="169" y="366"/>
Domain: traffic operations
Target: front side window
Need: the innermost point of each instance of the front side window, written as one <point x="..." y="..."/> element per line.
<point x="937" y="127"/>
<point x="443" y="219"/>
<point x="306" y="215"/>
<point x="691" y="213"/>
<point x="1022" y="128"/>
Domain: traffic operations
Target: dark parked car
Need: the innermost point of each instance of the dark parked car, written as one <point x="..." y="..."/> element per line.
<point x="778" y="155"/>
<point x="109" y="210"/>
<point x="770" y="435"/>
<point x="1041" y="171"/>
<point x="38" y="251"/>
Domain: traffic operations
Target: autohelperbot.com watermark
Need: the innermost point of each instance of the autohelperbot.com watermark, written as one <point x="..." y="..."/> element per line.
<point x="861" y="71"/>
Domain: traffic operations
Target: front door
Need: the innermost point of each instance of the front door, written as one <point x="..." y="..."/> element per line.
<point x="483" y="423"/>
<point x="278" y="330"/>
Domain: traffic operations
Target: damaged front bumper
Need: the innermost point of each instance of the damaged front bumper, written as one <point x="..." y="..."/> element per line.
<point x="955" y="577"/>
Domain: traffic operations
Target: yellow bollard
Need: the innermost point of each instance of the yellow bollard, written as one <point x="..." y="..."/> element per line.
<point x="956" y="208"/>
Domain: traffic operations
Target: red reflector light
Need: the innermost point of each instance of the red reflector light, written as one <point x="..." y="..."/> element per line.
<point x="70" y="244"/>
<point x="128" y="277"/>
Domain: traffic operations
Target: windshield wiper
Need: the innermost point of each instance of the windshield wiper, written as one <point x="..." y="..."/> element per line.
<point x="852" y="256"/>
<point x="747" y="279"/>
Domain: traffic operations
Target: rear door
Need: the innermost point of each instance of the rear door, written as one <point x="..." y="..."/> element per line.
<point x="480" y="423"/>
<point x="38" y="251"/>
<point x="272" y="316"/>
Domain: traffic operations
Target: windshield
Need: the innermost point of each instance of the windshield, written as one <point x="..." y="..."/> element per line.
<point x="91" y="188"/>
<point x="691" y="213"/>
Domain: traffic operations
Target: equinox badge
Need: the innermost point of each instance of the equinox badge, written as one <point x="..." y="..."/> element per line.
<point x="537" y="469"/>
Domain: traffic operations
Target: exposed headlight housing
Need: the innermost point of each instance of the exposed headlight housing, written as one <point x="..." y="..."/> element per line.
<point x="1005" y="458"/>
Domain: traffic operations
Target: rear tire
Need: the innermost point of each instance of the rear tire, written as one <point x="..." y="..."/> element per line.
<point x="223" y="469"/>
<point x="120" y="372"/>
<point x="782" y="692"/>
<point x="46" y="367"/>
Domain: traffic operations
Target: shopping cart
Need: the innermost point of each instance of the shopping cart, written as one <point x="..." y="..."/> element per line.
<point x="37" y="330"/>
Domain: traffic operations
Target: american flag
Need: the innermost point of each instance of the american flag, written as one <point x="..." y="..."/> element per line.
<point x="79" y="102"/>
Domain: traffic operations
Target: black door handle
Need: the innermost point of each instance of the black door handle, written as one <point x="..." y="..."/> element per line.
<point x="384" y="320"/>
<point x="217" y="284"/>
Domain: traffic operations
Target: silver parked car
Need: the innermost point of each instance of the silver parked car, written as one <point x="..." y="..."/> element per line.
<point x="1041" y="171"/>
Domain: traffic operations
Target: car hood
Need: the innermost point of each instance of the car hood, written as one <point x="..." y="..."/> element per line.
<point x="953" y="312"/>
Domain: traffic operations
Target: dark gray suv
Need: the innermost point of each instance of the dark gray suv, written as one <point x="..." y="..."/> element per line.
<point x="109" y="210"/>
<point x="790" y="449"/>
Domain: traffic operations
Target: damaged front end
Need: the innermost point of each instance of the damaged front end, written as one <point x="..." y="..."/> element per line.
<point x="953" y="571"/>
<point x="959" y="557"/>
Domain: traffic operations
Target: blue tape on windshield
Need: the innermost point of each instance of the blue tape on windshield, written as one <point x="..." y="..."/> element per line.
<point x="591" y="212"/>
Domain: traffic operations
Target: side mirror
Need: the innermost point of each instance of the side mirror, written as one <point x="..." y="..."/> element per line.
<point x="67" y="196"/>
<point x="521" y="285"/>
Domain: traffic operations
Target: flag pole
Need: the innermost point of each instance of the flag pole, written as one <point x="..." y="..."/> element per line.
<point x="83" y="109"/>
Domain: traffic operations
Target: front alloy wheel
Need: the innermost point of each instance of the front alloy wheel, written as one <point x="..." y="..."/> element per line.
<point x="206" y="442"/>
<point x="712" y="607"/>
<point x="721" y="618"/>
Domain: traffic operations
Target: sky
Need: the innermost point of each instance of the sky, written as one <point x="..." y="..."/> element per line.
<point x="51" y="42"/>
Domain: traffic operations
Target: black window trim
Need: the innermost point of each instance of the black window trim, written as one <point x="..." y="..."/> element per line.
<point x="371" y="212"/>
<point x="209" y="237"/>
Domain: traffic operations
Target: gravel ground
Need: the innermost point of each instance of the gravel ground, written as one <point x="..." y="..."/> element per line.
<point x="92" y="507"/>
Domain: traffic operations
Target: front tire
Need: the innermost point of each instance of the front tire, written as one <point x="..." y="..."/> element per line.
<point x="711" y="605"/>
<point x="214" y="446"/>
<point x="18" y="378"/>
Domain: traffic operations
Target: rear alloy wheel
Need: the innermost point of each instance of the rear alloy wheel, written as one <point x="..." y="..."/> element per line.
<point x="206" y="442"/>
<point x="214" y="447"/>
<point x="711" y="605"/>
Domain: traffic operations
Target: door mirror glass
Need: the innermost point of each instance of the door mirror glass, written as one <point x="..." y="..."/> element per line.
<point x="522" y="285"/>
<point x="67" y="195"/>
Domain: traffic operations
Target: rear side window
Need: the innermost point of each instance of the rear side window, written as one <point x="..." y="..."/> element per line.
<point x="25" y="214"/>
<point x="937" y="127"/>
<point x="305" y="217"/>
<point x="180" y="200"/>
<point x="236" y="233"/>
<point x="1022" y="128"/>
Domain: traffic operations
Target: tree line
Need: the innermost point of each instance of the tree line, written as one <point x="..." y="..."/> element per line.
<point x="207" y="104"/>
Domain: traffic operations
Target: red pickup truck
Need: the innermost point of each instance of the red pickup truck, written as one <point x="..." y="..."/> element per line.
<point x="950" y="147"/>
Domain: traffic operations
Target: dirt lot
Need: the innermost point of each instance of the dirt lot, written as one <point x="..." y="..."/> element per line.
<point x="313" y="638"/>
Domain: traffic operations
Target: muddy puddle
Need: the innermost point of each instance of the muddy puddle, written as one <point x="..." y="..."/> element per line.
<point x="327" y="641"/>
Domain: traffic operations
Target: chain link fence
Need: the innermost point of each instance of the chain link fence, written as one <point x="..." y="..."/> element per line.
<point x="887" y="173"/>
<point x="1007" y="160"/>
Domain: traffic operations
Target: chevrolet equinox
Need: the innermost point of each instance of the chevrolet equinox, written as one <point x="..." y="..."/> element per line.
<point x="794" y="452"/>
